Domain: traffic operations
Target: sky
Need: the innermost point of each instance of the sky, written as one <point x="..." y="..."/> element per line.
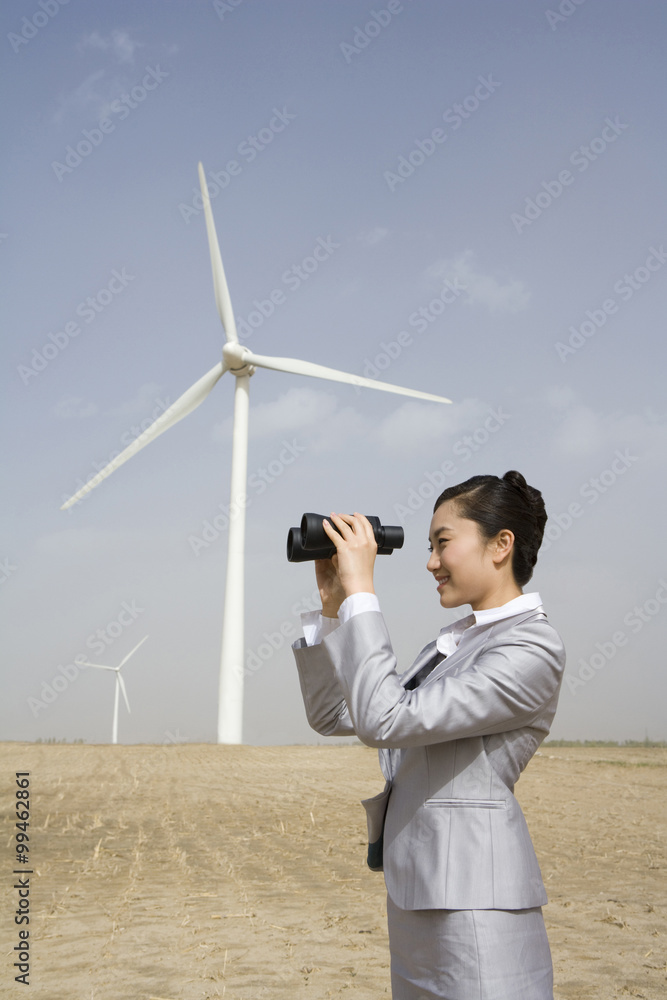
<point x="462" y="198"/>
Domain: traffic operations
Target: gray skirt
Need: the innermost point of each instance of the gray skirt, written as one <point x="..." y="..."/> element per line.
<point x="469" y="954"/>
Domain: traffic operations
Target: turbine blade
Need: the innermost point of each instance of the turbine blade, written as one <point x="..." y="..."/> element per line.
<point x="121" y="683"/>
<point x="122" y="662"/>
<point x="184" y="405"/>
<point x="297" y="367"/>
<point x="99" y="666"/>
<point x="222" y="298"/>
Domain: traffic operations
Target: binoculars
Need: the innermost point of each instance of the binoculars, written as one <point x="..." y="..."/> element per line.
<point x="311" y="541"/>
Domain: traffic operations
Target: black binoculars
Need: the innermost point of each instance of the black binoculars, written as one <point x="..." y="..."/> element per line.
<point x="311" y="541"/>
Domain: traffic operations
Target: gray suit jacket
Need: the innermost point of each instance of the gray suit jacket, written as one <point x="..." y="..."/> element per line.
<point x="451" y="751"/>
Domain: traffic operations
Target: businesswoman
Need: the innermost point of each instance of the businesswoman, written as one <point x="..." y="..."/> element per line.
<point x="454" y="731"/>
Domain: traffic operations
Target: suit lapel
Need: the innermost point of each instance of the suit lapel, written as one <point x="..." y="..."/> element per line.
<point x="472" y="645"/>
<point x="427" y="653"/>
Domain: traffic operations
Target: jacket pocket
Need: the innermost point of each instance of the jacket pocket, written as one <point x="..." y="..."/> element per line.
<point x="468" y="803"/>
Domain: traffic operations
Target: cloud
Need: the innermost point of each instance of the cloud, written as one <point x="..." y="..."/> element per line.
<point x="82" y="97"/>
<point x="311" y="413"/>
<point x="580" y="433"/>
<point x="147" y="397"/>
<point x="585" y="431"/>
<point x="559" y="397"/>
<point x="100" y="88"/>
<point x="295" y="410"/>
<point x="73" y="543"/>
<point x="119" y="43"/>
<point x="372" y="236"/>
<point x="426" y="427"/>
<point x="70" y="407"/>
<point x="510" y="296"/>
<point x="315" y="415"/>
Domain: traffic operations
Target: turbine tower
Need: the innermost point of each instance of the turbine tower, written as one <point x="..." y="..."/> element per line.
<point x="120" y="686"/>
<point x="242" y="363"/>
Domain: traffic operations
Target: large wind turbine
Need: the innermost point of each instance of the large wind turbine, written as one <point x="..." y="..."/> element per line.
<point x="242" y="363"/>
<point x="120" y="686"/>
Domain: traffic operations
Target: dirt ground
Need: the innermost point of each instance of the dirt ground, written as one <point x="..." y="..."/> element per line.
<point x="184" y="872"/>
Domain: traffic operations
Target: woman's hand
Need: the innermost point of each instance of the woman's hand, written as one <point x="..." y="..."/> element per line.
<point x="332" y="594"/>
<point x="356" y="550"/>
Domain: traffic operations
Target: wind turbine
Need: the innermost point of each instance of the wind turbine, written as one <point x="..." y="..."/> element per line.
<point x="120" y="686"/>
<point x="242" y="363"/>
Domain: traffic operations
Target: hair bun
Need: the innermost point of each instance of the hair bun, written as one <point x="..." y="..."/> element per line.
<point x="529" y="494"/>
<point x="515" y="478"/>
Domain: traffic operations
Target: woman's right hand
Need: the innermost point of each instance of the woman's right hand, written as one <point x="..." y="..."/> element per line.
<point x="332" y="594"/>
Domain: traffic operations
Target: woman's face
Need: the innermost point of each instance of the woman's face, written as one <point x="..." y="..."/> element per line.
<point x="465" y="569"/>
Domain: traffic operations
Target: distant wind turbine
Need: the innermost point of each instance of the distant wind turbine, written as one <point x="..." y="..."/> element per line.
<point x="241" y="362"/>
<point x="120" y="686"/>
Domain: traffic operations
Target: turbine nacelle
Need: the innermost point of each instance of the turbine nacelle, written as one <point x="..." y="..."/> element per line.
<point x="233" y="356"/>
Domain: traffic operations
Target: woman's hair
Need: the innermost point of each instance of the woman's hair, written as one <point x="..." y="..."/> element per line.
<point x="495" y="504"/>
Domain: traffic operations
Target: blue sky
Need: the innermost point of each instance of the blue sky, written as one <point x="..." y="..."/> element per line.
<point x="484" y="186"/>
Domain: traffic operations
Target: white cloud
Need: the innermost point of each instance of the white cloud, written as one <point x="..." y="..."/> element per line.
<point x="559" y="396"/>
<point x="296" y="409"/>
<point x="585" y="431"/>
<point x="481" y="289"/>
<point x="70" y="407"/>
<point x="76" y="542"/>
<point x="580" y="433"/>
<point x="118" y="43"/>
<point x="87" y="93"/>
<point x="428" y="427"/>
<point x="99" y="89"/>
<point x="312" y="413"/>
<point x="147" y="398"/>
<point x="372" y="236"/>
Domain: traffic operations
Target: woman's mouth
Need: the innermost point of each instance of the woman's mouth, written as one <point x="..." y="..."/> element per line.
<point x="441" y="581"/>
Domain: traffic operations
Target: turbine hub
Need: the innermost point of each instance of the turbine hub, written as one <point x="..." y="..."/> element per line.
<point x="234" y="356"/>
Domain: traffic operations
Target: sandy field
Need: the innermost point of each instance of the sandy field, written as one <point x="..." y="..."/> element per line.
<point x="183" y="872"/>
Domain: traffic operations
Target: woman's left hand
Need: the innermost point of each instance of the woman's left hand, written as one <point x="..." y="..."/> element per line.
<point x="356" y="550"/>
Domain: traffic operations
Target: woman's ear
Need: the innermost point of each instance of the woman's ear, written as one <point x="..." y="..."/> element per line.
<point x="502" y="545"/>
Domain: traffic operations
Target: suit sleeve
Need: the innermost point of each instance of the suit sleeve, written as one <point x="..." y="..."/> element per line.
<point x="513" y="682"/>
<point x="323" y="698"/>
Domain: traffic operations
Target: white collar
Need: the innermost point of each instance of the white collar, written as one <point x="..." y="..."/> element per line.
<point x="525" y="602"/>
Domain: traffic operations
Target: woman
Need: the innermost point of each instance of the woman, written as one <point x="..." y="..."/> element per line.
<point x="454" y="731"/>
